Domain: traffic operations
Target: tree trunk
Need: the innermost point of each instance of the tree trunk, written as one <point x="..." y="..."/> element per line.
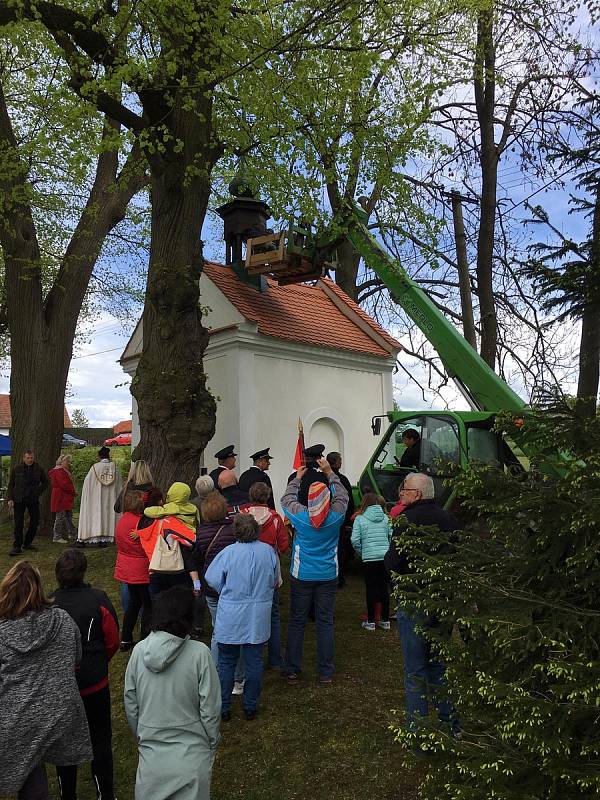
<point x="347" y="269"/>
<point x="589" y="346"/>
<point x="462" y="261"/>
<point x="485" y="89"/>
<point x="176" y="410"/>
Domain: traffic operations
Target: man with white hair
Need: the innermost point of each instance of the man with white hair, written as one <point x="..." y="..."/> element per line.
<point x="423" y="674"/>
<point x="237" y="500"/>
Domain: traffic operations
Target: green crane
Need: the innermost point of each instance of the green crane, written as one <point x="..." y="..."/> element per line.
<point x="437" y="441"/>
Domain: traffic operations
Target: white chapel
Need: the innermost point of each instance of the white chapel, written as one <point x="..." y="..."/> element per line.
<point x="282" y="352"/>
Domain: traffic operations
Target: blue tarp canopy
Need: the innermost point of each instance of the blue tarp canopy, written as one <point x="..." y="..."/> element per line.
<point x="5" y="446"/>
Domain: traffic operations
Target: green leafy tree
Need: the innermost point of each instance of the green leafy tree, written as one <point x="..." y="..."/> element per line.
<point x="565" y="272"/>
<point x="518" y="622"/>
<point x="67" y="175"/>
<point x="79" y="419"/>
<point x="166" y="73"/>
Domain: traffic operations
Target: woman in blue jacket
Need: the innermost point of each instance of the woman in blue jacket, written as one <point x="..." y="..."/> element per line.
<point x="371" y="537"/>
<point x="244" y="575"/>
<point x="317" y="513"/>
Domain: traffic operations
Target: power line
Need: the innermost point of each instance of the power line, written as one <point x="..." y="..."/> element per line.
<point x="100" y="352"/>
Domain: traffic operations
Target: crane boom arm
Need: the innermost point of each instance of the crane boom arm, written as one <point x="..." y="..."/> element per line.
<point x="477" y="380"/>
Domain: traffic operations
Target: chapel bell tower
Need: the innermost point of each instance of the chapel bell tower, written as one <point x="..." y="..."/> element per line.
<point x="244" y="217"/>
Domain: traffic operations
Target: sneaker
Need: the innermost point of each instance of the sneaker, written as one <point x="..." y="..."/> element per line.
<point x="238" y="687"/>
<point x="31" y="547"/>
<point x="384" y="624"/>
<point x="226" y="715"/>
<point x="249" y="714"/>
<point x="60" y="541"/>
<point x="369" y="626"/>
<point x="326" y="681"/>
<point x="292" y="678"/>
<point x="16" y="551"/>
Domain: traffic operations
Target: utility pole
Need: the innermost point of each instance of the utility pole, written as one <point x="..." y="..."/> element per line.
<point x="462" y="262"/>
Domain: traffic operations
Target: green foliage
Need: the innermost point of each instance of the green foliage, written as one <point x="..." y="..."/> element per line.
<point x="516" y="596"/>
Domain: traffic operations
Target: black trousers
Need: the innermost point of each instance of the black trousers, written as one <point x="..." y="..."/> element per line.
<point x="33" y="507"/>
<point x="378" y="589"/>
<point x="139" y="598"/>
<point x="97" y="710"/>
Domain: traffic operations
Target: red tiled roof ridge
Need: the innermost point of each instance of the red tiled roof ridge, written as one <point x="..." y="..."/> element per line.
<point x="6" y="415"/>
<point x="305" y="313"/>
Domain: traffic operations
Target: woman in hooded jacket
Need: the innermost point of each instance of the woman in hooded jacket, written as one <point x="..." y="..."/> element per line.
<point x="173" y="705"/>
<point x="43" y="718"/>
<point x="371" y="536"/>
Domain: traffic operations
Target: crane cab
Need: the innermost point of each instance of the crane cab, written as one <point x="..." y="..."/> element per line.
<point x="447" y="440"/>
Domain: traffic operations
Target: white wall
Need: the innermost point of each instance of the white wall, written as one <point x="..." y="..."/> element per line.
<point x="264" y="384"/>
<point x="335" y="403"/>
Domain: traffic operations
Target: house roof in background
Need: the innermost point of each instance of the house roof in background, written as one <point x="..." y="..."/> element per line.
<point x="125" y="426"/>
<point x="321" y="315"/>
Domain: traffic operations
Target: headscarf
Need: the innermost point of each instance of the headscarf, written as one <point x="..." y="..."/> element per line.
<point x="319" y="500"/>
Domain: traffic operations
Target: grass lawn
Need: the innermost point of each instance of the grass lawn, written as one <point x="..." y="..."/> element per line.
<point x="324" y="743"/>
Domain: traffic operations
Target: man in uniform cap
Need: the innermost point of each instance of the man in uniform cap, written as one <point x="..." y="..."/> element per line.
<point x="258" y="473"/>
<point x="226" y="459"/>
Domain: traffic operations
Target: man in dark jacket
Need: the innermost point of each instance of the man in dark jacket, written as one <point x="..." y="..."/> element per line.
<point x="226" y="458"/>
<point x="98" y="624"/>
<point x="422" y="672"/>
<point x="344" y="546"/>
<point x="257" y="473"/>
<point x="26" y="484"/>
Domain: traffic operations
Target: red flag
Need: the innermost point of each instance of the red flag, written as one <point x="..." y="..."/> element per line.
<point x="299" y="458"/>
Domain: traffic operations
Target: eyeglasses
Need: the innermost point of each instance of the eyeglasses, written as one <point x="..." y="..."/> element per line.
<point x="408" y="489"/>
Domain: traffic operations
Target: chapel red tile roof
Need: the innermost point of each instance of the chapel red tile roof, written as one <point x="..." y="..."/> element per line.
<point x="6" y="417"/>
<point x="305" y="313"/>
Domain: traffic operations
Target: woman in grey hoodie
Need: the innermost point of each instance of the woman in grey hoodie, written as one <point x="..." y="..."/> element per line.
<point x="173" y="704"/>
<point x="42" y="717"/>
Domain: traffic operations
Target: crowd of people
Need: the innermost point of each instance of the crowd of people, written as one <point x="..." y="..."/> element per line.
<point x="175" y="556"/>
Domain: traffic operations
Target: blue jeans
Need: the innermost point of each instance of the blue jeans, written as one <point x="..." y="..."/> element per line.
<point x="212" y="603"/>
<point x="124" y="597"/>
<point x="302" y="596"/>
<point x="229" y="655"/>
<point x="422" y="673"/>
<point x="275" y="659"/>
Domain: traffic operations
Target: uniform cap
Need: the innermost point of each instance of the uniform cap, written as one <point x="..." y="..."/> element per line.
<point x="226" y="452"/>
<point x="261" y="454"/>
<point x="314" y="451"/>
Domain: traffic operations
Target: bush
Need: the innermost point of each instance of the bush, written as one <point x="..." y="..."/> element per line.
<point x="517" y="598"/>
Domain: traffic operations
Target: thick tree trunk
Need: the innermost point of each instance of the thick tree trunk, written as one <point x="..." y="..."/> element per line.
<point x="485" y="88"/>
<point x="176" y="410"/>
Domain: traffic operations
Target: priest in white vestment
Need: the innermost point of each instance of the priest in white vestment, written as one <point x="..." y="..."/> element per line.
<point x="101" y="487"/>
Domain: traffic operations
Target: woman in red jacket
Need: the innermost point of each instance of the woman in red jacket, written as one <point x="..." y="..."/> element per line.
<point x="61" y="500"/>
<point x="132" y="569"/>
